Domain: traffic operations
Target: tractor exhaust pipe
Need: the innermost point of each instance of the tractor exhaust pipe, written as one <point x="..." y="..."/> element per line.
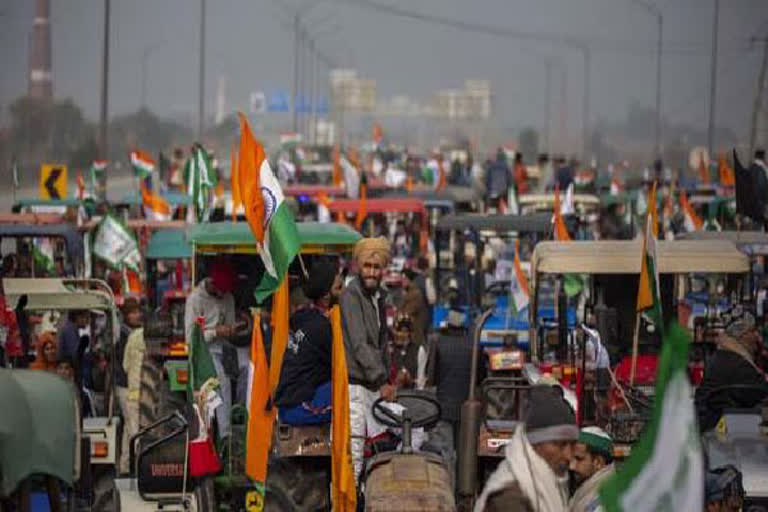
<point x="469" y="427"/>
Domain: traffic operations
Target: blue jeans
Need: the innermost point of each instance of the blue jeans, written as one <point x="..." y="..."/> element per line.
<point x="315" y="412"/>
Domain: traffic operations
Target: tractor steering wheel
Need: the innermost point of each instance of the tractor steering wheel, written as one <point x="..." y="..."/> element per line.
<point x="414" y="403"/>
<point x="498" y="288"/>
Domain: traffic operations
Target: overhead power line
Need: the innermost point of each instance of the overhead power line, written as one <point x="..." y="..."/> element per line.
<point x="562" y="40"/>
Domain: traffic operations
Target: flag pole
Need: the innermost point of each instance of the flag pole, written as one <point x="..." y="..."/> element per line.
<point x="635" y="343"/>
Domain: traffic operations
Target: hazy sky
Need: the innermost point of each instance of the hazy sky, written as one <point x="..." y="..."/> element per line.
<point x="250" y="42"/>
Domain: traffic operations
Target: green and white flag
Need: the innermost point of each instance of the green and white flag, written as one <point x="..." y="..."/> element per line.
<point x="200" y="177"/>
<point x="665" y="471"/>
<point x="15" y="171"/>
<point x="98" y="168"/>
<point x="43" y="254"/>
<point x="116" y="245"/>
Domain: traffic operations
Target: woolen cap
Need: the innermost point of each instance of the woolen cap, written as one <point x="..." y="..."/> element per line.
<point x="549" y="417"/>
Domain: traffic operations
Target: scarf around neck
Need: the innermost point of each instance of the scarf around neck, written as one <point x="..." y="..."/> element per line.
<point x="522" y="465"/>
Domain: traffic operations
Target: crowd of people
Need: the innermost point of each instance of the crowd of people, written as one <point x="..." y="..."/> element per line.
<point x="549" y="465"/>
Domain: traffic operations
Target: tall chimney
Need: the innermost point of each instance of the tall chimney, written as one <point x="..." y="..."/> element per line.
<point x="40" y="78"/>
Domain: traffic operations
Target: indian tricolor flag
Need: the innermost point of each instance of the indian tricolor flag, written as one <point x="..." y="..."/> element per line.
<point x="666" y="468"/>
<point x="155" y="206"/>
<point x="692" y="221"/>
<point x="142" y="163"/>
<point x="98" y="167"/>
<point x="520" y="289"/>
<point x="268" y="214"/>
<point x="648" y="289"/>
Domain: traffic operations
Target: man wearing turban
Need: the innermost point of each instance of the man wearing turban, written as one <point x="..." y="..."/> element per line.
<point x="364" y="329"/>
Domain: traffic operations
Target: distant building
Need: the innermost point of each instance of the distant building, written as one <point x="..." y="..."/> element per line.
<point x="40" y="77"/>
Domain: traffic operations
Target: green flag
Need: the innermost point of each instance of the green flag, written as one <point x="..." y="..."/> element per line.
<point x="665" y="471"/>
<point x="201" y="368"/>
<point x="43" y="254"/>
<point x="200" y="177"/>
<point x="116" y="245"/>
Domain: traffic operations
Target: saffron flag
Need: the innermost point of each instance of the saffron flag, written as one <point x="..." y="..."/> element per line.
<point x="727" y="176"/>
<point x="154" y="205"/>
<point x="362" y="206"/>
<point x="441" y="178"/>
<point x="80" y="185"/>
<point x="666" y="468"/>
<point x="520" y="288"/>
<point x="260" y="417"/>
<point x="378" y="134"/>
<point x="279" y="321"/>
<point x="692" y="221"/>
<point x="343" y="491"/>
<point x="269" y="217"/>
<point x="648" y="288"/>
<point x="560" y="231"/>
<point x="142" y="163"/>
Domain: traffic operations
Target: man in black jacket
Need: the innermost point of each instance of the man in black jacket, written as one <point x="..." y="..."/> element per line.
<point x="732" y="365"/>
<point x="304" y="392"/>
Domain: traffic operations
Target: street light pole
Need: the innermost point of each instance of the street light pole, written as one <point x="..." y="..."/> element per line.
<point x="547" y="106"/>
<point x="657" y="131"/>
<point x="296" y="36"/>
<point x="656" y="12"/>
<point x="585" y="105"/>
<point x="201" y="83"/>
<point x="103" y="141"/>
<point x="713" y="82"/>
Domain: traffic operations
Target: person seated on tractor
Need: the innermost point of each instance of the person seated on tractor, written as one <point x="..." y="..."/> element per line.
<point x="533" y="476"/>
<point x="408" y="359"/>
<point x="365" y="332"/>
<point x="732" y="365"/>
<point x="723" y="490"/>
<point x="304" y="392"/>
<point x="46" y="353"/>
<point x="591" y="465"/>
<point x="212" y="300"/>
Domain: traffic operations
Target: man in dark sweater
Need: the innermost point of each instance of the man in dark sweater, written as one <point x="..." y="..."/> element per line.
<point x="304" y="392"/>
<point x="365" y="340"/>
<point x="733" y="364"/>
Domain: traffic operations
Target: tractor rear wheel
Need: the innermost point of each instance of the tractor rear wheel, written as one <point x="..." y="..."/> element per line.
<point x="156" y="400"/>
<point x="297" y="485"/>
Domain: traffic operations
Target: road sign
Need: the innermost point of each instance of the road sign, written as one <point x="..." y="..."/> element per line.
<point x="53" y="181"/>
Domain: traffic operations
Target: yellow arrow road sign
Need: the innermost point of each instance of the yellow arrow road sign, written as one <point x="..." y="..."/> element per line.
<point x="53" y="181"/>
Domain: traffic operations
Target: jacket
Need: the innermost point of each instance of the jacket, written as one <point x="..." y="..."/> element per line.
<point x="364" y="330"/>
<point x="727" y="368"/>
<point x="450" y="370"/>
<point x="415" y="306"/>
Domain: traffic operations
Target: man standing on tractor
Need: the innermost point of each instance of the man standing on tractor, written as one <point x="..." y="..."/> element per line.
<point x="533" y="476"/>
<point x="732" y="365"/>
<point x="304" y="392"/>
<point x="131" y="352"/>
<point x="591" y="466"/>
<point x="365" y="339"/>
<point x="212" y="299"/>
